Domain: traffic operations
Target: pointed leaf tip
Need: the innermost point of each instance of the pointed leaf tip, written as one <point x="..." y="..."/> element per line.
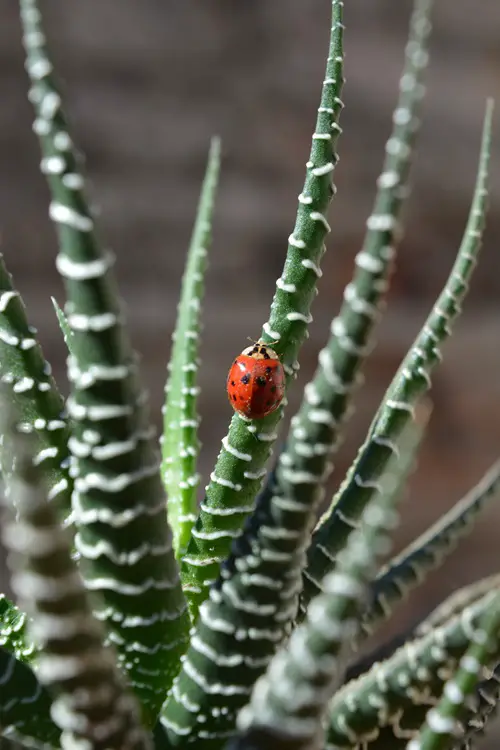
<point x="180" y="444"/>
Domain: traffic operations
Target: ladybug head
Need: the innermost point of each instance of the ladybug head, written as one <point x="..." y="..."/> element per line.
<point x="259" y="350"/>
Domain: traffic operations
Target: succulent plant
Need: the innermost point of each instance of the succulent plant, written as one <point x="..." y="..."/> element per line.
<point x="144" y="619"/>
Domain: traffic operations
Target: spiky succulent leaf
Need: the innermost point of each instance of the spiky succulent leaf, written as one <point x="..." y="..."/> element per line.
<point x="445" y="721"/>
<point x="410" y="383"/>
<point x="24" y="702"/>
<point x="314" y="434"/>
<point x="384" y="707"/>
<point x="238" y="473"/>
<point x="63" y="324"/>
<point x="27" y="374"/>
<point x="91" y="704"/>
<point x="289" y="702"/>
<point x="412" y="566"/>
<point x="123" y="536"/>
<point x="180" y="444"/>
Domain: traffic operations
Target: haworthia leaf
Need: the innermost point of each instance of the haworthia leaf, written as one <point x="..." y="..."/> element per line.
<point x="24" y="702"/>
<point x="410" y="383"/>
<point x="180" y="445"/>
<point x="383" y="708"/>
<point x="304" y="465"/>
<point x="26" y="373"/>
<point x="240" y="466"/>
<point x="288" y="703"/>
<point x="375" y="613"/>
<point x="123" y="536"/>
<point x="444" y="722"/>
<point x="91" y="704"/>
<point x="411" y="566"/>
<point x="63" y="324"/>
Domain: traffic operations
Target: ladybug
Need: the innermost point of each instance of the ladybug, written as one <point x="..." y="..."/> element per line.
<point x="256" y="381"/>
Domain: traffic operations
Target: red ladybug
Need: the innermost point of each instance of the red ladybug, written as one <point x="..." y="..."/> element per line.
<point x="256" y="381"/>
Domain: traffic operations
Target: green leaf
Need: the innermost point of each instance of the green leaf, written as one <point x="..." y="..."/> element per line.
<point x="26" y="373"/>
<point x="180" y="444"/>
<point x="315" y="431"/>
<point x="24" y="702"/>
<point x="288" y="703"/>
<point x="412" y="566"/>
<point x="91" y="704"/>
<point x="385" y="706"/>
<point x="63" y="324"/>
<point x="240" y="466"/>
<point x="123" y="536"/>
<point x="411" y="382"/>
<point x="444" y="722"/>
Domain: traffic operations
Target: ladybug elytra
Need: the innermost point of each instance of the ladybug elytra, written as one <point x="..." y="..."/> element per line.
<point x="256" y="381"/>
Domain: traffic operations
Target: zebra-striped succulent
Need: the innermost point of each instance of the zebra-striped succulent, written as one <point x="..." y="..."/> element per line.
<point x="144" y="620"/>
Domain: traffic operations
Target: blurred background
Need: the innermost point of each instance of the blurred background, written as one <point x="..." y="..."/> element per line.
<point x="147" y="84"/>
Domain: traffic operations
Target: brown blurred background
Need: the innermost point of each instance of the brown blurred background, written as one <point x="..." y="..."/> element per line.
<point x="146" y="85"/>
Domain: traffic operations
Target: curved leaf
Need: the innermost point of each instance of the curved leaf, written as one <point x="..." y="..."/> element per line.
<point x="412" y="566"/>
<point x="445" y="721"/>
<point x="383" y="708"/>
<point x="24" y="370"/>
<point x="91" y="705"/>
<point x="123" y="536"/>
<point x="238" y="473"/>
<point x="411" y="382"/>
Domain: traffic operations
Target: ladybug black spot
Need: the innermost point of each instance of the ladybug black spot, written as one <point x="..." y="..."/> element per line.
<point x="269" y="370"/>
<point x="273" y="389"/>
<point x="269" y="403"/>
<point x="261" y="380"/>
<point x="234" y="397"/>
<point x="233" y="383"/>
<point x="245" y="378"/>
